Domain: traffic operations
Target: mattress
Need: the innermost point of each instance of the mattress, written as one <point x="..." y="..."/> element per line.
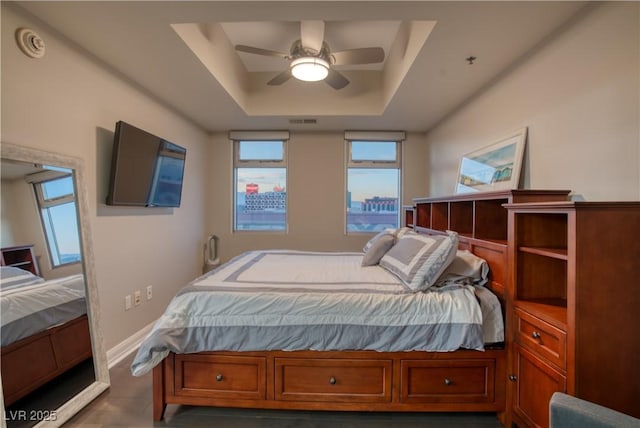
<point x="293" y="300"/>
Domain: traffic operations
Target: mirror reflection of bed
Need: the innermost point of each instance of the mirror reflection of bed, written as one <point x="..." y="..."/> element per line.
<point x="46" y="353"/>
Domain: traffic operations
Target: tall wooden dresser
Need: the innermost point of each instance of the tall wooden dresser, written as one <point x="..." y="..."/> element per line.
<point x="574" y="315"/>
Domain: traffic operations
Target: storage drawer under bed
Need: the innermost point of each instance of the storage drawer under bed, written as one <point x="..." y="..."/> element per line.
<point x="333" y="380"/>
<point x="448" y="381"/>
<point x="220" y="376"/>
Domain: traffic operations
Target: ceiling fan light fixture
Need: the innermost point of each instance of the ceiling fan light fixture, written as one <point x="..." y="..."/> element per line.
<point x="309" y="68"/>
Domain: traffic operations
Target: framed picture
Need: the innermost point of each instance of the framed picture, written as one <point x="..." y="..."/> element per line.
<point x="495" y="167"/>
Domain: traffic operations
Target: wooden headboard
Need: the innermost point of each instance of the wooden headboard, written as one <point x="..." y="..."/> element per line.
<point x="497" y="259"/>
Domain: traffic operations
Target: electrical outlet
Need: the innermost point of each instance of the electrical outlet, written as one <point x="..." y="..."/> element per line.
<point x="127" y="302"/>
<point x="149" y="292"/>
<point x="136" y="298"/>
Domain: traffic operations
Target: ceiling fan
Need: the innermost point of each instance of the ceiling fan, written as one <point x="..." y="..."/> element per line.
<point x="311" y="60"/>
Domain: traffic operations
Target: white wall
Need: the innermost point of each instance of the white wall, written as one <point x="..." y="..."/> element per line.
<point x="69" y="104"/>
<point x="11" y="228"/>
<point x="579" y="94"/>
<point x="315" y="192"/>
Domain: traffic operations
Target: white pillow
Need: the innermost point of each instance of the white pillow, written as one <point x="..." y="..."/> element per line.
<point x="419" y="260"/>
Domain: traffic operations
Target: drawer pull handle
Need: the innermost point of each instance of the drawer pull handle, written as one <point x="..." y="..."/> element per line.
<point x="513" y="378"/>
<point x="535" y="335"/>
<point x="447" y="382"/>
<point x="332" y="380"/>
<point x="219" y="378"/>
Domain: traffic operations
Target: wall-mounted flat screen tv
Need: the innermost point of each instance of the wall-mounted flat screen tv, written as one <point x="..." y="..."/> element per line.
<point x="146" y="170"/>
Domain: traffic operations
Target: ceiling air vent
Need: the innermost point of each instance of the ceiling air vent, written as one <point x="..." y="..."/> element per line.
<point x="303" y="121"/>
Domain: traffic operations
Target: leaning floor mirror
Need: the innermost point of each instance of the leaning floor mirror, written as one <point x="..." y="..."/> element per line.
<point x="52" y="360"/>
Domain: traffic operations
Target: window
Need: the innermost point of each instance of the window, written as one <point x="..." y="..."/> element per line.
<point x="260" y="179"/>
<point x="373" y="184"/>
<point x="56" y="198"/>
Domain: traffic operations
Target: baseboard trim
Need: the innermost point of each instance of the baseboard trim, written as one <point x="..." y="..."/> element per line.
<point x="127" y="346"/>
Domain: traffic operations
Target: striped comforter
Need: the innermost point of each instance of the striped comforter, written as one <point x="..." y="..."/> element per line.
<point x="29" y="304"/>
<point x="291" y="300"/>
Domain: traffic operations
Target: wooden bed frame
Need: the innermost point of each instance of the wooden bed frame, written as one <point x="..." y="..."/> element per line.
<point x="460" y="381"/>
<point x="35" y="360"/>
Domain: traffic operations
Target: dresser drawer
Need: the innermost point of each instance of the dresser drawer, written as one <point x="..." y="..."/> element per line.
<point x="448" y="381"/>
<point x="341" y="380"/>
<point x="220" y="376"/>
<point x="542" y="338"/>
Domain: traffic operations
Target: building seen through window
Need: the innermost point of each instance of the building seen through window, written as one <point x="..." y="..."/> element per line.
<point x="260" y="186"/>
<point x="260" y="181"/>
<point x="373" y="186"/>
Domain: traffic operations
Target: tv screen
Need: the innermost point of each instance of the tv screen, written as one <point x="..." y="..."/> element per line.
<point x="146" y="170"/>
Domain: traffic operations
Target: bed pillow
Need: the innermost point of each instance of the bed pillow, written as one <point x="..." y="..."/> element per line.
<point x="372" y="241"/>
<point x="378" y="247"/>
<point x="402" y="231"/>
<point x="419" y="260"/>
<point x="468" y="265"/>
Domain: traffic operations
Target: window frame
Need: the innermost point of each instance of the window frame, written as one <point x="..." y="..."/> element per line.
<point x="238" y="163"/>
<point x="45" y="203"/>
<point x="258" y="163"/>
<point x="374" y="163"/>
<point x="372" y="137"/>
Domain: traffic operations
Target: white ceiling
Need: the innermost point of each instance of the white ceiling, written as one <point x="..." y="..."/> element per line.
<point x="135" y="37"/>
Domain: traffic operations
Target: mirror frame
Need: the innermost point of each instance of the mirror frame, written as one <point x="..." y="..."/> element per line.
<point x="102" y="382"/>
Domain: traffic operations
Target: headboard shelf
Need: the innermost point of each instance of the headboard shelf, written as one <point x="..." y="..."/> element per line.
<point x="480" y="220"/>
<point x="478" y="215"/>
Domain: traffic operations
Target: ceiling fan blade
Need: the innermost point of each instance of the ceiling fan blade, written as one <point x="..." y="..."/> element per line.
<point x="280" y="78"/>
<point x="358" y="56"/>
<point x="312" y="34"/>
<point x="260" y="51"/>
<point x="336" y="80"/>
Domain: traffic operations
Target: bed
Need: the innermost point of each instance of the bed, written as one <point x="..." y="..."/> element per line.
<point x="307" y="330"/>
<point x="44" y="329"/>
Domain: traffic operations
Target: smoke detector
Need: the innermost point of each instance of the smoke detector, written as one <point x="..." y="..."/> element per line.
<point x="30" y="43"/>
